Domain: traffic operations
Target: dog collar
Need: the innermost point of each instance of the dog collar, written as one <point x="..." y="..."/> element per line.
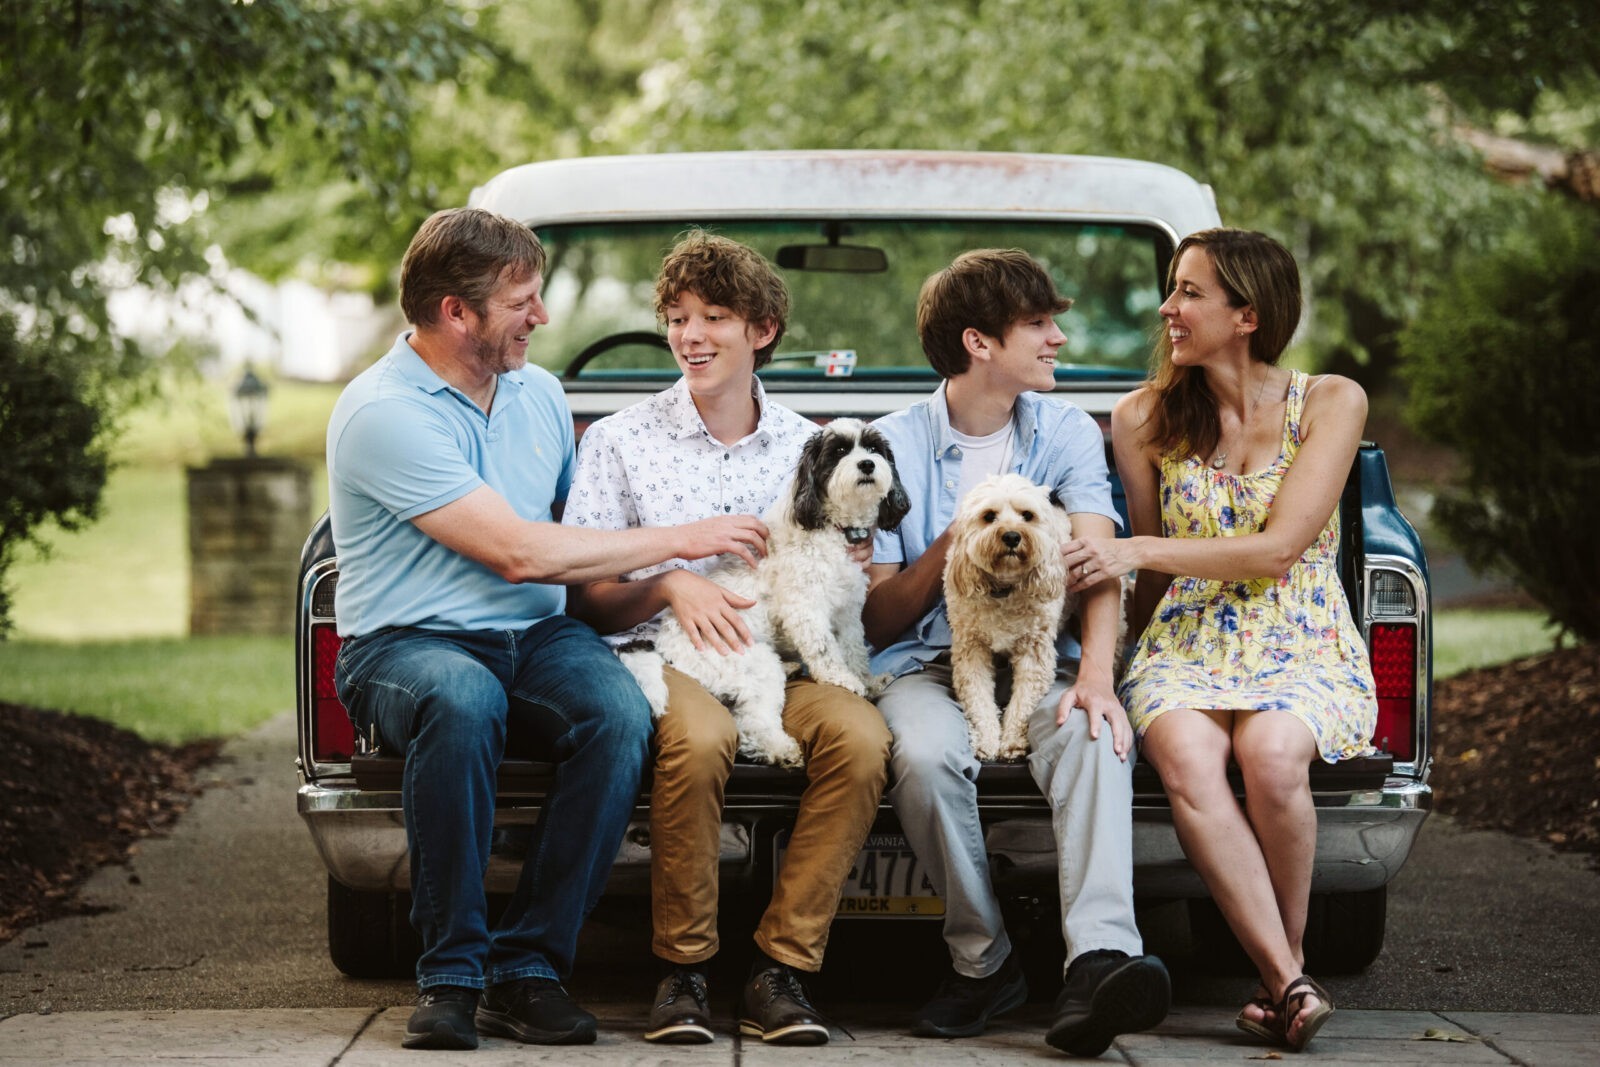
<point x="856" y="534"/>
<point x="1000" y="592"/>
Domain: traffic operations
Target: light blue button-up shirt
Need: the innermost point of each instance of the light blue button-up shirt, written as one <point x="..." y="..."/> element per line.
<point x="1056" y="444"/>
<point x="403" y="442"/>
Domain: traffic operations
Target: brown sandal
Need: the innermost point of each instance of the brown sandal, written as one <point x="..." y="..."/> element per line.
<point x="1295" y="994"/>
<point x="1261" y="1027"/>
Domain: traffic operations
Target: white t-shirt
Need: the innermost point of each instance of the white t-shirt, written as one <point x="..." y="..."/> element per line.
<point x="983" y="456"/>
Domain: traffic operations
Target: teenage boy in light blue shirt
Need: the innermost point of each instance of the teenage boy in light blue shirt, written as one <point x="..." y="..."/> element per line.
<point x="987" y="326"/>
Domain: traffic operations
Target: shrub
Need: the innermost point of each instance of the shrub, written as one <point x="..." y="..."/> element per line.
<point x="52" y="449"/>
<point x="1504" y="367"/>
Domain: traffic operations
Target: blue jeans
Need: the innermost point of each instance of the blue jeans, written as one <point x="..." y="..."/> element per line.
<point x="444" y="699"/>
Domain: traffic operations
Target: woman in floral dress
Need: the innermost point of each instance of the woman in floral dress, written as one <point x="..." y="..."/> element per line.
<point x="1233" y="468"/>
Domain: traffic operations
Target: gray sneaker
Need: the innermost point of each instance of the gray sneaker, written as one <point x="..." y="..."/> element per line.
<point x="681" y="1015"/>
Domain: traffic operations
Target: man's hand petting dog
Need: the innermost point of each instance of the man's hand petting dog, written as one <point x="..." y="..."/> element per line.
<point x="744" y="536"/>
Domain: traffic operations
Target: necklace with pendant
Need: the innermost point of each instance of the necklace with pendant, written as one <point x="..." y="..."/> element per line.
<point x="1221" y="458"/>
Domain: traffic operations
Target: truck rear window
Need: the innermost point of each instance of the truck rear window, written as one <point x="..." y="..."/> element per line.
<point x="853" y="289"/>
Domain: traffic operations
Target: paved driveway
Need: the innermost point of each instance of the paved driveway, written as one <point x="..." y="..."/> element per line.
<point x="227" y="913"/>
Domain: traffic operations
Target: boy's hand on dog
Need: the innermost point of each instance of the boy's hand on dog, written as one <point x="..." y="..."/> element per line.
<point x="708" y="613"/>
<point x="860" y="553"/>
<point x="1100" y="703"/>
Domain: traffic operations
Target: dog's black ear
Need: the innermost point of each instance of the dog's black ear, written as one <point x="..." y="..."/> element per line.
<point x="894" y="507"/>
<point x="897" y="504"/>
<point x="810" y="485"/>
<point x="1055" y="500"/>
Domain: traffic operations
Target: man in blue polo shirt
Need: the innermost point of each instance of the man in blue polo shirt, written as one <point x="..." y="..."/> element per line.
<point x="448" y="463"/>
<point x="987" y="325"/>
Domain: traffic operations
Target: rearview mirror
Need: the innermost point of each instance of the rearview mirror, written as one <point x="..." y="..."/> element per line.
<point x="844" y="259"/>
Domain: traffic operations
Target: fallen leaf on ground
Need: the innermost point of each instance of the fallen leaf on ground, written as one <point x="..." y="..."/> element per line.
<point x="1433" y="1033"/>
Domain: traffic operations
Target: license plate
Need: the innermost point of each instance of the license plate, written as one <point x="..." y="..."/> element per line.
<point x="885" y="881"/>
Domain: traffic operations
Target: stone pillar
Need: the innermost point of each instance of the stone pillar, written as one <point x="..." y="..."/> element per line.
<point x="248" y="518"/>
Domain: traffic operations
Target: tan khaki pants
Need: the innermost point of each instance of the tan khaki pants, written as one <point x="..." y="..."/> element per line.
<point x="846" y="746"/>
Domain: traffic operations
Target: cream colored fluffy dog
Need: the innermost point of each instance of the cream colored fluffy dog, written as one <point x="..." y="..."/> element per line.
<point x="1005" y="591"/>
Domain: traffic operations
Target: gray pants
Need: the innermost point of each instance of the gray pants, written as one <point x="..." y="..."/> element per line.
<point x="933" y="787"/>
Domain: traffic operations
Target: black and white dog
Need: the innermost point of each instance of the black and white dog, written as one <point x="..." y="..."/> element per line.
<point x="808" y="592"/>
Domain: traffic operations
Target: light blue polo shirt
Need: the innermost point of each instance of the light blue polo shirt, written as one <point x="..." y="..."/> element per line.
<point x="402" y="443"/>
<point x="1056" y="444"/>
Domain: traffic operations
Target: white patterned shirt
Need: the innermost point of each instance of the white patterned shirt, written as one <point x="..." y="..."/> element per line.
<point x="656" y="464"/>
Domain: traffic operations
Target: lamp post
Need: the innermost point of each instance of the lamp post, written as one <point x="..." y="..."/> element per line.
<point x="247" y="409"/>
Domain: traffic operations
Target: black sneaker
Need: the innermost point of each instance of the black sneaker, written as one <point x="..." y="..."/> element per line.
<point x="1108" y="993"/>
<point x="535" y="1011"/>
<point x="681" y="1014"/>
<point x="963" y="1006"/>
<point x="775" y="1008"/>
<point x="443" y="1019"/>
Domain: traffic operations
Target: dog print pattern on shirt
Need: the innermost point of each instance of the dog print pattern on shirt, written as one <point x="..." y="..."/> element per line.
<point x="656" y="464"/>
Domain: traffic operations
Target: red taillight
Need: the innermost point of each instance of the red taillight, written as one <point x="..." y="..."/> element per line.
<point x="335" y="737"/>
<point x="1394" y="669"/>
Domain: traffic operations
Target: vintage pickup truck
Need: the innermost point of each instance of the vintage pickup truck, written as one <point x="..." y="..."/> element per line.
<point x="855" y="233"/>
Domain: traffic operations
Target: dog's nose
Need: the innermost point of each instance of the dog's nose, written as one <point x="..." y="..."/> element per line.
<point x="1011" y="538"/>
<point x="865" y="466"/>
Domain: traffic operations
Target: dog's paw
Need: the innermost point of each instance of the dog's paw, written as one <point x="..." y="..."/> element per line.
<point x="1013" y="748"/>
<point x="985" y="742"/>
<point x="876" y="684"/>
<point x="780" y="753"/>
<point x="842" y="679"/>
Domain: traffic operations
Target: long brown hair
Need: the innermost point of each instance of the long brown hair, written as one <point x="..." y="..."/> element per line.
<point x="1254" y="270"/>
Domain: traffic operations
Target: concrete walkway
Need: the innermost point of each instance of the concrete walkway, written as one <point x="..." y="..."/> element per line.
<point x="356" y="1037"/>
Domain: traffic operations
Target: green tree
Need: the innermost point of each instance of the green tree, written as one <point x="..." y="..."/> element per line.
<point x="556" y="69"/>
<point x="118" y="120"/>
<point x="1360" y="178"/>
<point x="1504" y="367"/>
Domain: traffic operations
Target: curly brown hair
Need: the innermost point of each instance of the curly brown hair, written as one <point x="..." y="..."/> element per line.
<point x="728" y="274"/>
<point x="1254" y="270"/>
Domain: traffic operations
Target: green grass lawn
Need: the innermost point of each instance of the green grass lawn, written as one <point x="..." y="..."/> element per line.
<point x="1463" y="640"/>
<point x="170" y="690"/>
<point x="102" y="620"/>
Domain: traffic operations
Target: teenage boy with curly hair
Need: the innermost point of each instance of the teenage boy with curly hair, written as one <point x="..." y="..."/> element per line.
<point x="713" y="445"/>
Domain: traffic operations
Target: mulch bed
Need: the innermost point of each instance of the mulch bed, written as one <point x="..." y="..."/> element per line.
<point x="75" y="794"/>
<point x="1516" y="748"/>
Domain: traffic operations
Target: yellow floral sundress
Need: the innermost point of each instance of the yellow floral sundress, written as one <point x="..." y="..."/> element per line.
<point x="1287" y="644"/>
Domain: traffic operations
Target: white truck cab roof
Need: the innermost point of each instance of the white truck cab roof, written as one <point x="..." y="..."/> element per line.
<point x="864" y="184"/>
